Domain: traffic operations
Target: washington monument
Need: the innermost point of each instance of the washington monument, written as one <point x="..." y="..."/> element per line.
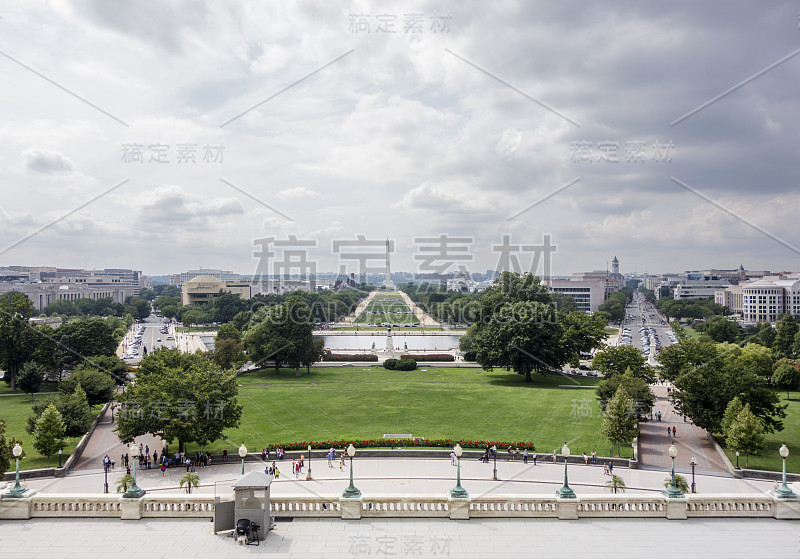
<point x="387" y="280"/>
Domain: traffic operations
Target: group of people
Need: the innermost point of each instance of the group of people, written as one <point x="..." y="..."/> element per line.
<point x="273" y="470"/>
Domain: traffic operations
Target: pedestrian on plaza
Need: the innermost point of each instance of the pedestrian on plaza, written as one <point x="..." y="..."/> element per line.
<point x="605" y="468"/>
<point x="263" y="454"/>
<point x="674" y="431"/>
<point x="128" y="470"/>
<point x="155" y="456"/>
<point x="341" y="462"/>
<point x="594" y="457"/>
<point x="525" y="456"/>
<point x="534" y="458"/>
<point x="225" y="455"/>
<point x="585" y="459"/>
<point x="452" y="458"/>
<point x="329" y="459"/>
<point x="163" y="469"/>
<point x="669" y="431"/>
<point x="294" y="468"/>
<point x="554" y="457"/>
<point x="610" y="468"/>
<point x="147" y="449"/>
<point x="277" y="473"/>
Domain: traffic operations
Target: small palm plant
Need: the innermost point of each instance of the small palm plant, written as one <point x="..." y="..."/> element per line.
<point x="616" y="484"/>
<point x="680" y="483"/>
<point x="124" y="483"/>
<point x="190" y="479"/>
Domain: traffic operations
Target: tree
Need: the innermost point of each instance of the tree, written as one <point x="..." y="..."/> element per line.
<point x="179" y="396"/>
<point x="190" y="479"/>
<point x="617" y="360"/>
<point x="680" y="483"/>
<point x="637" y="389"/>
<point x="786" y="377"/>
<point x="581" y="333"/>
<point x="766" y="335"/>
<point x="620" y="425"/>
<point x="139" y="308"/>
<point x="6" y="455"/>
<point x="316" y="351"/>
<point x="720" y="329"/>
<point x="30" y="378"/>
<point x="616" y="484"/>
<point x="17" y="336"/>
<point x="731" y="413"/>
<point x="75" y="412"/>
<point x="227" y="352"/>
<point x="784" y="336"/>
<point x="229" y="332"/>
<point x="83" y="337"/>
<point x="48" y="438"/>
<point x="97" y="386"/>
<point x="124" y="483"/>
<point x="226" y="306"/>
<point x="746" y="434"/>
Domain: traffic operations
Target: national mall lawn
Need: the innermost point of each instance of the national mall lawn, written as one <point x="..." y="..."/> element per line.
<point x="366" y="402"/>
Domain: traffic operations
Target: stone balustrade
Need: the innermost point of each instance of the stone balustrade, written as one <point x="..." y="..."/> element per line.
<point x="181" y="505"/>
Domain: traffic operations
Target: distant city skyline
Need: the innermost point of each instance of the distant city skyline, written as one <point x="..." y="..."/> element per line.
<point x="186" y="133"/>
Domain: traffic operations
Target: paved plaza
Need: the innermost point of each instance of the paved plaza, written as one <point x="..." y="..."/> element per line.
<point x="325" y="538"/>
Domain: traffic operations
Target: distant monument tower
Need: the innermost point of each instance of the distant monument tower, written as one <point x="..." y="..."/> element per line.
<point x="615" y="266"/>
<point x="387" y="280"/>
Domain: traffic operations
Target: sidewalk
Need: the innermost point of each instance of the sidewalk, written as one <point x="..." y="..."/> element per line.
<point x="689" y="439"/>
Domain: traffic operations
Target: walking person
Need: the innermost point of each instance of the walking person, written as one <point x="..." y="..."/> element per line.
<point x="594" y="457"/>
<point x="525" y="456"/>
<point x="534" y="458"/>
<point x="674" y="431"/>
<point x="669" y="431"/>
<point x="452" y="458"/>
<point x="610" y="468"/>
<point x="585" y="459"/>
<point x="554" y="457"/>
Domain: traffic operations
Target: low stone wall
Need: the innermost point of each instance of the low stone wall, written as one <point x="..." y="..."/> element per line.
<point x="409" y="506"/>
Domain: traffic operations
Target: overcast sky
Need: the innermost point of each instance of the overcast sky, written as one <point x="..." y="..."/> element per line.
<point x="587" y="123"/>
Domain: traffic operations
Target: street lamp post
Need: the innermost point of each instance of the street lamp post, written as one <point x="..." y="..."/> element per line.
<point x="566" y="491"/>
<point x="458" y="492"/>
<point x="672" y="491"/>
<point x="105" y="467"/>
<point x="308" y="477"/>
<point x="242" y="455"/>
<point x="59" y="457"/>
<point x="18" y="490"/>
<point x="783" y="491"/>
<point x="737" y="459"/>
<point x="693" y="462"/>
<point x="351" y="492"/>
<point x="134" y="490"/>
<point x="494" y="453"/>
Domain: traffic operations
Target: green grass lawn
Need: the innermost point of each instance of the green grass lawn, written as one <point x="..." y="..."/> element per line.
<point x="769" y="459"/>
<point x="366" y="402"/>
<point x="46" y="387"/>
<point x="611" y="331"/>
<point x="692" y="333"/>
<point x="197" y="328"/>
<point x="15" y="410"/>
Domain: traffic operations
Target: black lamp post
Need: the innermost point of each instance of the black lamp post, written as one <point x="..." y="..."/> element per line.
<point x="105" y="467"/>
<point x="494" y="452"/>
<point x="59" y="457"/>
<point x="693" y="462"/>
<point x="737" y="459"/>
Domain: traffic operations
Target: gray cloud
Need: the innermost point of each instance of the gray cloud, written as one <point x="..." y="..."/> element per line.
<point x="46" y="161"/>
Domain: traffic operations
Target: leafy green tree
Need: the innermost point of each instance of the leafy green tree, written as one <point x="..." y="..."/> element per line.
<point x="31" y="376"/>
<point x="179" y="396"/>
<point x="226" y="306"/>
<point x="111" y="365"/>
<point x="390" y="364"/>
<point x="227" y="352"/>
<point x="617" y="360"/>
<point x="48" y="438"/>
<point x="6" y="456"/>
<point x="406" y="364"/>
<point x="581" y="333"/>
<point x="190" y="479"/>
<point x="229" y="332"/>
<point x="83" y="337"/>
<point x="732" y="412"/>
<point x="139" y="308"/>
<point x="746" y="434"/>
<point x="620" y="424"/>
<point x="784" y="336"/>
<point x="616" y="484"/>
<point x="196" y="315"/>
<point x="315" y="353"/>
<point x="720" y="329"/>
<point x="124" y="482"/>
<point x="97" y="386"/>
<point x="17" y="337"/>
<point x="680" y="482"/>
<point x="786" y="377"/>
<point x="766" y="335"/>
<point x="637" y="389"/>
<point x="75" y="413"/>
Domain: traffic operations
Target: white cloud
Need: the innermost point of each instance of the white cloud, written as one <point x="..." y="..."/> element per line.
<point x="296" y="192"/>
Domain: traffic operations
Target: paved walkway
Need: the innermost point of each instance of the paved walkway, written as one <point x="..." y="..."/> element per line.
<point x="689" y="439"/>
<point x="105" y="441"/>
<point x="408" y="537"/>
